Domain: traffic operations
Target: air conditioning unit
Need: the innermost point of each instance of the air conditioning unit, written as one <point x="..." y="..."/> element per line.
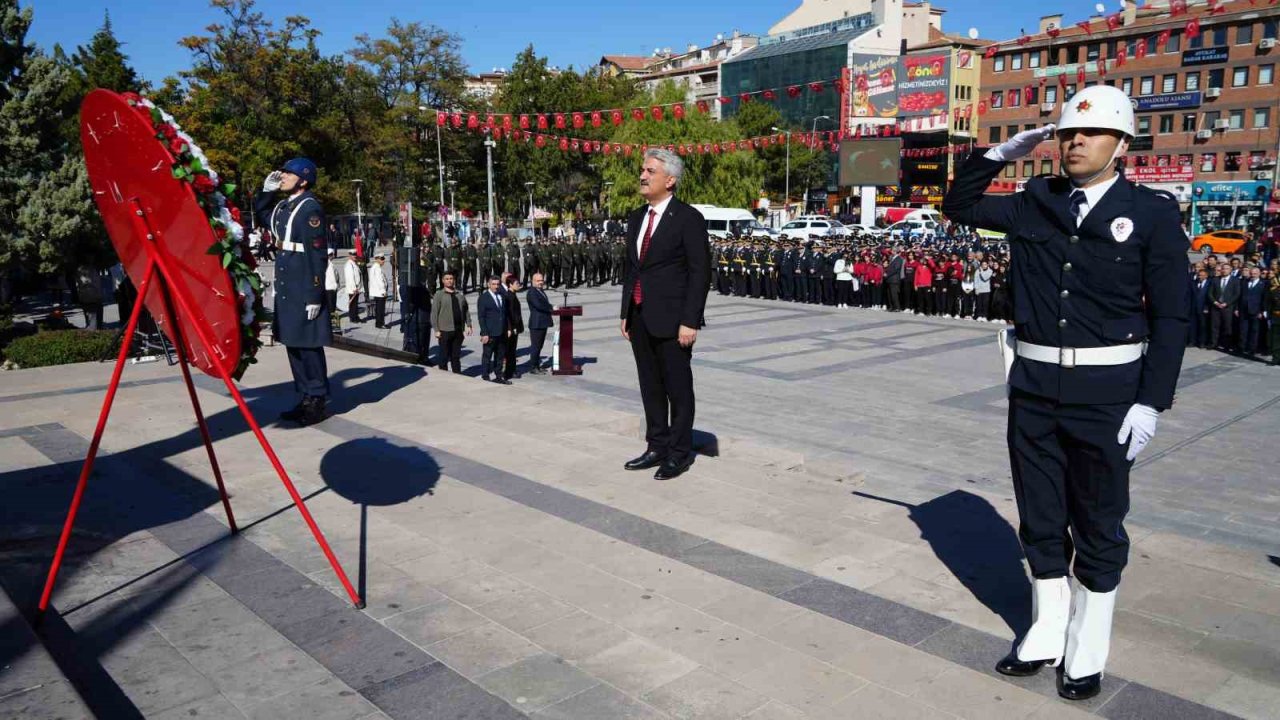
<point x="1047" y="107"/>
<point x="1266" y="43"/>
<point x="1213" y="92"/>
<point x="1221" y="124"/>
<point x="1264" y="175"/>
<point x="1204" y="134"/>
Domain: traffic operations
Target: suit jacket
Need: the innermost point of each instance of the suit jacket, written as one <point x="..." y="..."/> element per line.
<point x="515" y="318"/>
<point x="491" y="318"/>
<point x="1200" y="295"/>
<point x="675" y="275"/>
<point x="895" y="270"/>
<point x="1229" y="294"/>
<point x="1251" y="299"/>
<point x="442" y="311"/>
<point x="1117" y="279"/>
<point x="539" y="309"/>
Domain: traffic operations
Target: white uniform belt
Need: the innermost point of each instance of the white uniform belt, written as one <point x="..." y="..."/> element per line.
<point x="1072" y="357"/>
<point x="291" y="246"/>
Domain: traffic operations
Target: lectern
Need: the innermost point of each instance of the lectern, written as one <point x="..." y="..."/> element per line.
<point x="564" y="346"/>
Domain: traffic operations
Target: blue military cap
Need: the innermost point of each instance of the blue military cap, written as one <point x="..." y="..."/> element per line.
<point x="303" y="168"/>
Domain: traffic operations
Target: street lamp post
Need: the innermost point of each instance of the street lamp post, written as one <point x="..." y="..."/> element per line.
<point x="812" y="129"/>
<point x="529" y="185"/>
<point x="359" y="211"/>
<point x="488" y="154"/>
<point x="786" y="193"/>
<point x="439" y="154"/>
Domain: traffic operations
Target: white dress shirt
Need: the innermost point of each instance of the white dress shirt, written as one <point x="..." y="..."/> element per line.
<point x="658" y="210"/>
<point x="1092" y="196"/>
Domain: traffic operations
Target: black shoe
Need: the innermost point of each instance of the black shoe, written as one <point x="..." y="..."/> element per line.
<point x="296" y="413"/>
<point x="650" y="458"/>
<point x="485" y="378"/>
<point x="1081" y="689"/>
<point x="502" y="381"/>
<point x="315" y="413"/>
<point x="1012" y="666"/>
<point x="670" y="470"/>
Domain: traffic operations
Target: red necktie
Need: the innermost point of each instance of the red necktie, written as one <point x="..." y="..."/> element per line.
<point x="637" y="296"/>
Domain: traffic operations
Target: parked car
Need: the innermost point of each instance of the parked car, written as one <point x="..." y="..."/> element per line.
<point x="723" y="221"/>
<point x="1227" y="242"/>
<point x="806" y="225"/>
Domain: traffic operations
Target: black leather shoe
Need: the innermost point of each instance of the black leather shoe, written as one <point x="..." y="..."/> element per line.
<point x="502" y="381"/>
<point x="315" y="413"/>
<point x="296" y="413"/>
<point x="1011" y="665"/>
<point x="1082" y="689"/>
<point x="650" y="458"/>
<point x="671" y="469"/>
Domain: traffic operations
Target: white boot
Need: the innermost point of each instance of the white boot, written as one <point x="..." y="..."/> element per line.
<point x="1050" y="612"/>
<point x="1089" y="634"/>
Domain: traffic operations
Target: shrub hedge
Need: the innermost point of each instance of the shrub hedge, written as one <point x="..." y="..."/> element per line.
<point x="59" y="347"/>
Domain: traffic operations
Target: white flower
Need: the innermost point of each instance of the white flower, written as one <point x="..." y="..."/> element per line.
<point x="246" y="292"/>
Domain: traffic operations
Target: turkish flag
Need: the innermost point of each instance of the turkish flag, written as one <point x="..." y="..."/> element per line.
<point x="769" y="95"/>
<point x="1062" y="81"/>
<point x="559" y="121"/>
<point x="1053" y="32"/>
<point x="724" y="100"/>
<point x="595" y="119"/>
<point x="626" y="150"/>
<point x="441" y="118"/>
<point x="1080" y="75"/>
<point x="524" y="122"/>
<point x="678" y="111"/>
<point x="457" y="120"/>
<point x="793" y="91"/>
<point x="637" y="113"/>
<point x="1177" y="7"/>
<point x="1114" y="21"/>
<point x="815" y="87"/>
<point x="703" y="107"/>
<point x="1140" y="50"/>
<point x="1163" y="38"/>
<point x="1193" y="28"/>
<point x="1084" y="25"/>
<point x="473" y="121"/>
<point x="578" y="121"/>
<point x="990" y="52"/>
<point x="540" y="141"/>
<point x="656" y="111"/>
<point x="506" y="122"/>
<point x="542" y="122"/>
<point x="616" y="116"/>
<point x="564" y="143"/>
<point x="1122" y="54"/>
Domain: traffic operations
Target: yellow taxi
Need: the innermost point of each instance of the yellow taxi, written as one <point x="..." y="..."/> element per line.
<point x="1226" y="242"/>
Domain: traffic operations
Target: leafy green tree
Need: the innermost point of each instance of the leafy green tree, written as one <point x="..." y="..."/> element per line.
<point x="807" y="164"/>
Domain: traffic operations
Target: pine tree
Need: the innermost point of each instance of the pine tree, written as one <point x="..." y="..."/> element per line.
<point x="104" y="64"/>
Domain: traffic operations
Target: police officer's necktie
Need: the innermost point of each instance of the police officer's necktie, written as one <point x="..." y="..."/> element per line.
<point x="637" y="296"/>
<point x="1078" y="200"/>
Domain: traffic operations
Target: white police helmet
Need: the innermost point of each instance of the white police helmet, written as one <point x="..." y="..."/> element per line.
<point x="1098" y="106"/>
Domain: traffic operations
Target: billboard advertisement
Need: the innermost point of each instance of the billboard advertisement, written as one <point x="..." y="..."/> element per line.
<point x="870" y="162"/>
<point x="1159" y="174"/>
<point x="874" y="88"/>
<point x="1171" y="101"/>
<point x="924" y="84"/>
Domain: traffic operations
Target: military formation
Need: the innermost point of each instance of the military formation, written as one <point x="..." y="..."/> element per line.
<point x="590" y="261"/>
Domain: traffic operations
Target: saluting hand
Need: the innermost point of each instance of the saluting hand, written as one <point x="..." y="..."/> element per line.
<point x="1021" y="144"/>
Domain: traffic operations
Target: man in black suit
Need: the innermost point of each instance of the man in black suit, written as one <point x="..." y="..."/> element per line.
<point x="539" y="321"/>
<point x="1224" y="294"/>
<point x="515" y="321"/>
<point x="1199" y="324"/>
<point x="1252" y="294"/>
<point x="495" y="327"/>
<point x="664" y="293"/>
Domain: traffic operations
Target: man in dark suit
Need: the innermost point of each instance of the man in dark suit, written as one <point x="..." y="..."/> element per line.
<point x="495" y="326"/>
<point x="1199" y="334"/>
<point x="664" y="293"/>
<point x="1224" y="294"/>
<point x="515" y="321"/>
<point x="1252" y="293"/>
<point x="539" y="321"/>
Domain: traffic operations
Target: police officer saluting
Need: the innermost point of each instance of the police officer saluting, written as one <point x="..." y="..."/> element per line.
<point x="301" y="321"/>
<point x="1099" y="269"/>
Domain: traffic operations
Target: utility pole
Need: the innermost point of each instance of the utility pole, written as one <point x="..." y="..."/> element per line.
<point x="786" y="194"/>
<point x="807" y="179"/>
<point x="488" y="154"/>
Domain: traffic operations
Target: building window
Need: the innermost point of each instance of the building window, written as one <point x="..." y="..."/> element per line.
<point x="1261" y="118"/>
<point x="1051" y="93"/>
<point x="1193" y="81"/>
<point x="1015" y="62"/>
<point x="1211" y="117"/>
<point x="1166" y="124"/>
<point x="1147" y="85"/>
<point x="1175" y="42"/>
<point x="1010" y="130"/>
<point x="1015" y="98"/>
<point x="1028" y="168"/>
<point x="1256" y="157"/>
<point x="1144" y="124"/>
<point x="1244" y="34"/>
<point x="1266" y="74"/>
<point x="999" y="63"/>
<point x="1055" y="56"/>
<point x="1151" y="45"/>
<point x="997" y="100"/>
<point x="1046" y="167"/>
<point x="1092" y="52"/>
<point x="1033" y="59"/>
<point x="1219" y="36"/>
<point x="1236" y="118"/>
<point x="1269" y="28"/>
<point x="1188" y="122"/>
<point x="1010" y="170"/>
<point x="1035" y="95"/>
<point x="1127" y="86"/>
<point x="1208" y="161"/>
<point x="993" y="134"/>
<point x="1231" y="162"/>
<point x="1071" y="90"/>
<point x="1197" y="42"/>
<point x="1215" y="77"/>
<point x="1239" y="77"/>
<point x="1169" y="84"/>
<point x="1186" y="160"/>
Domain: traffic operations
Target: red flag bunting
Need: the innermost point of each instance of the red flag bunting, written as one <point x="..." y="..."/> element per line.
<point x="473" y="121"/>
<point x="745" y="98"/>
<point x="1140" y="50"/>
<point x="578" y="121"/>
<point x="540" y="141"/>
<point x="1163" y="38"/>
<point x="616" y="117"/>
<point x="815" y="87"/>
<point x="1084" y="25"/>
<point x="559" y="121"/>
<point x="1114" y="21"/>
<point x="793" y="91"/>
<point x="656" y="111"/>
<point x="677" y="111"/>
<point x="770" y="95"/>
<point x="441" y="119"/>
<point x="703" y="107"/>
<point x="542" y="122"/>
<point x="990" y="52"/>
<point x="637" y="113"/>
<point x="724" y="100"/>
<point x="1193" y="28"/>
<point x="596" y="119"/>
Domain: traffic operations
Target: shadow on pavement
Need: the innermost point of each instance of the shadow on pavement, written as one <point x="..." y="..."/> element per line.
<point x="980" y="549"/>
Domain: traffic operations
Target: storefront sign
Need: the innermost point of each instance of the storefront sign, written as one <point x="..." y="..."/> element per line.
<point x="1169" y="102"/>
<point x="924" y="83"/>
<point x="874" y="91"/>
<point x="1204" y="56"/>
<point x="1153" y="174"/>
<point x="1231" y="191"/>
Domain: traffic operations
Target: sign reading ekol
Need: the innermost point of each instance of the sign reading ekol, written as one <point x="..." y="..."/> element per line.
<point x="923" y="84"/>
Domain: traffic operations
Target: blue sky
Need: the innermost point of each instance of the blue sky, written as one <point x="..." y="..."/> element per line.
<point x="568" y="32"/>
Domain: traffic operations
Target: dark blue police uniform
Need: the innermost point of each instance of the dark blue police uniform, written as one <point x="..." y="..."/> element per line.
<point x="1117" y="279"/>
<point x="298" y="227"/>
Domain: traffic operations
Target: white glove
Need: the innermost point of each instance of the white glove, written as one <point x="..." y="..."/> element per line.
<point x="313" y="312"/>
<point x="1138" y="428"/>
<point x="1020" y="144"/>
<point x="272" y="183"/>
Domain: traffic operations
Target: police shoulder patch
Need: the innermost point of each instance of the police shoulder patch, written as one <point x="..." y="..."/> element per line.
<point x="314" y="221"/>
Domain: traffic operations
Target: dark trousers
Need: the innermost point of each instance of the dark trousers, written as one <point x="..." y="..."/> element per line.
<point x="1250" y="327"/>
<point x="422" y="335"/>
<point x="983" y="309"/>
<point x="310" y="373"/>
<point x="353" y="307"/>
<point x="536" y="340"/>
<point x="492" y="354"/>
<point x="468" y="275"/>
<point x="787" y="282"/>
<point x="1071" y="481"/>
<point x="815" y="289"/>
<point x="1220" y="322"/>
<point x="509" y="357"/>
<point x="451" y="350"/>
<point x="924" y="300"/>
<point x="843" y="288"/>
<point x="894" y="296"/>
<point x="666" y="389"/>
<point x="380" y="312"/>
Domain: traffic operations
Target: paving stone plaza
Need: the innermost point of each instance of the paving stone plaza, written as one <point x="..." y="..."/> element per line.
<point x="844" y="547"/>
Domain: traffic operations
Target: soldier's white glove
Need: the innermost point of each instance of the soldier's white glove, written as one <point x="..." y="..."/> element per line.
<point x="272" y="183"/>
<point x="313" y="312"/>
<point x="1138" y="428"/>
<point x="1020" y="144"/>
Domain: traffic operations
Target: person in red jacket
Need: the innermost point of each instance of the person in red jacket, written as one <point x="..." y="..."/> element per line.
<point x="860" y="273"/>
<point x="924" y="289"/>
<point x="875" y="278"/>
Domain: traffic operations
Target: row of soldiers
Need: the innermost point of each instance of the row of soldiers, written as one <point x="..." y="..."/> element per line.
<point x="788" y="270"/>
<point x="590" y="261"/>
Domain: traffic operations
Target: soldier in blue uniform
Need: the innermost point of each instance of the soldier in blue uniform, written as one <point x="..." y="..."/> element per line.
<point x="1099" y="287"/>
<point x="301" y="314"/>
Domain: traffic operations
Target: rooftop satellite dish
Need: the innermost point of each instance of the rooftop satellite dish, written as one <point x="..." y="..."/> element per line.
<point x="973" y="33"/>
<point x="1100" y="8"/>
